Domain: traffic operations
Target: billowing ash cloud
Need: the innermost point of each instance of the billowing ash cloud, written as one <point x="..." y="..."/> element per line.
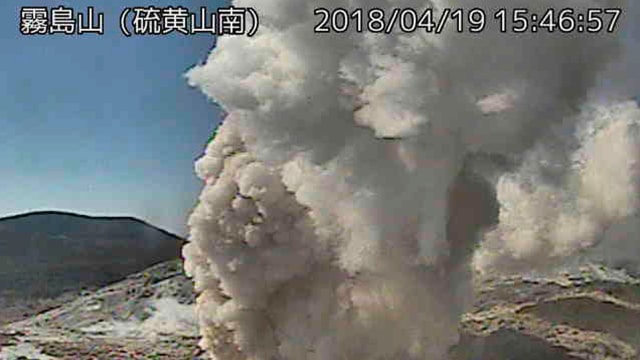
<point x="553" y="205"/>
<point x="356" y="173"/>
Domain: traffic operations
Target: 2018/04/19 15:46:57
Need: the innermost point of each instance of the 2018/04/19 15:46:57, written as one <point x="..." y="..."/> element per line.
<point x="474" y="20"/>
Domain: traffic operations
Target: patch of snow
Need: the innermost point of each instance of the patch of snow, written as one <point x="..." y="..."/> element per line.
<point x="171" y="317"/>
<point x="23" y="349"/>
<point x="608" y="274"/>
<point x="119" y="329"/>
<point x="168" y="317"/>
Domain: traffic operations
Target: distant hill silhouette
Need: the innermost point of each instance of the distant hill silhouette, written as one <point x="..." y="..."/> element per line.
<point x="43" y="254"/>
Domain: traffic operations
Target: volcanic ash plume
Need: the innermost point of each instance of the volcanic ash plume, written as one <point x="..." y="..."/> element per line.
<point x="545" y="218"/>
<point x="347" y="188"/>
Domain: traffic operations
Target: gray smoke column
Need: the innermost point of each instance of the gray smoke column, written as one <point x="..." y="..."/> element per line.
<point x="333" y="225"/>
<point x="567" y="192"/>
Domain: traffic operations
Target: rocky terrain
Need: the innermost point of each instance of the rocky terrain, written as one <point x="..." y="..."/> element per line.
<point x="593" y="313"/>
<point x="83" y="288"/>
<point x="590" y="314"/>
<point x="47" y="258"/>
<point x="148" y="315"/>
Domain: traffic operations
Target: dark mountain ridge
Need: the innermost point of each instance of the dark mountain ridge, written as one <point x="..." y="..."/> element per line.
<point x="46" y="253"/>
<point x="57" y="218"/>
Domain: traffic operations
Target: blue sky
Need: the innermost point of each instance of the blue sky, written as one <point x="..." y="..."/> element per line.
<point x="101" y="124"/>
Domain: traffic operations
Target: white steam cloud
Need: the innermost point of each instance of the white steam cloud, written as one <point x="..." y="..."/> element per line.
<point x="356" y="174"/>
<point x="546" y="217"/>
